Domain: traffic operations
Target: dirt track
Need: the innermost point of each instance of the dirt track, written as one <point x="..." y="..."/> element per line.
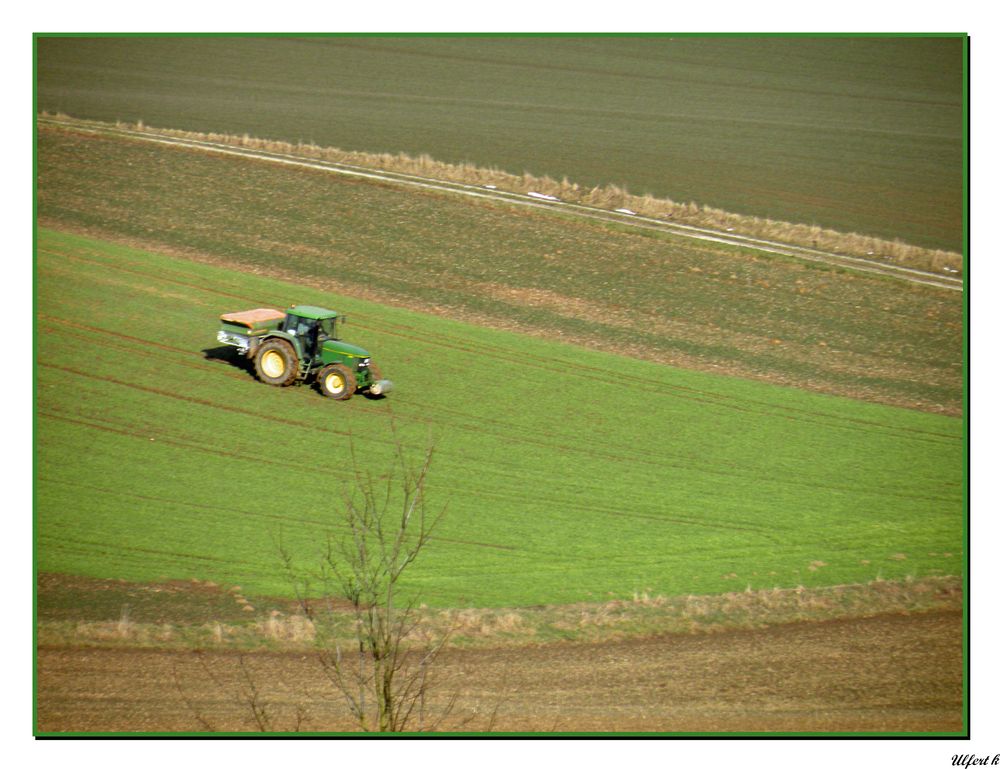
<point x="532" y="200"/>
<point x="882" y="674"/>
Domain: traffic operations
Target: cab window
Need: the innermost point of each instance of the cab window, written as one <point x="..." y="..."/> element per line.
<point x="328" y="327"/>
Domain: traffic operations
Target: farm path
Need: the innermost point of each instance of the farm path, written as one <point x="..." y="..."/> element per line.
<point x="881" y="674"/>
<point x="533" y="200"/>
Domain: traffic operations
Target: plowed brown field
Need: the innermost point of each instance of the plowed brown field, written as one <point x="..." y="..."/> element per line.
<point x="883" y="674"/>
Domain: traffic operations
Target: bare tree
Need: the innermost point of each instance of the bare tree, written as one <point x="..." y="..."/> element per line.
<point x="385" y="674"/>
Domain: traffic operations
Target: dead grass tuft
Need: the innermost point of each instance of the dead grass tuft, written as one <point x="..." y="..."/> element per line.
<point x="124" y="627"/>
<point x="295" y="628"/>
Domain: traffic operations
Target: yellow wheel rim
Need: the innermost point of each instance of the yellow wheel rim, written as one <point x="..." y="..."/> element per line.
<point x="272" y="364"/>
<point x="334" y="383"/>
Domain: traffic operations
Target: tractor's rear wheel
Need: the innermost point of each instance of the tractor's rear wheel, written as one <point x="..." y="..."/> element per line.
<point x="276" y="363"/>
<point x="337" y="381"/>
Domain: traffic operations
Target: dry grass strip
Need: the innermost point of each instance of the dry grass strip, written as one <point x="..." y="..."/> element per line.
<point x="642" y="615"/>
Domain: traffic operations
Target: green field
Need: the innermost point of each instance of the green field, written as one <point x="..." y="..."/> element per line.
<point x="568" y="474"/>
<point x="662" y="298"/>
<point x="858" y="134"/>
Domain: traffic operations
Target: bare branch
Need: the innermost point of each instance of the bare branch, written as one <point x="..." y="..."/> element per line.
<point x="198" y="716"/>
<point x="386" y="676"/>
<point x="385" y="682"/>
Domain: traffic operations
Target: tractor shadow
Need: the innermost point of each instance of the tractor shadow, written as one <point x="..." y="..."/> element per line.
<point x="232" y="356"/>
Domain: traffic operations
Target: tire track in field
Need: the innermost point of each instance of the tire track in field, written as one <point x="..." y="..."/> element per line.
<point x="121" y="554"/>
<point x="516" y="434"/>
<point x="137" y="346"/>
<point x="473" y="490"/>
<point x="467" y="488"/>
<point x="685" y="464"/>
<point x="296" y="520"/>
<point x="101" y="546"/>
<point x="147" y="275"/>
<point x="483" y="350"/>
<point x="187" y="445"/>
<point x="182" y="503"/>
<point x="131" y="348"/>
<point x="117" y="334"/>
<point x="771" y="534"/>
<point x="197" y="401"/>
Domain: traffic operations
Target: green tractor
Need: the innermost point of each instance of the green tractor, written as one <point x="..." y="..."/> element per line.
<point x="290" y="347"/>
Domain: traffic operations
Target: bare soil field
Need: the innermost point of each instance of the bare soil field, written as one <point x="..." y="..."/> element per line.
<point x="882" y="674"/>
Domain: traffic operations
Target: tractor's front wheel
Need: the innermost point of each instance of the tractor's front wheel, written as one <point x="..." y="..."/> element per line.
<point x="276" y="363"/>
<point x="337" y="381"/>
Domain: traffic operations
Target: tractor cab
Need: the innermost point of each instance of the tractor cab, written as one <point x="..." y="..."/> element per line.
<point x="312" y="326"/>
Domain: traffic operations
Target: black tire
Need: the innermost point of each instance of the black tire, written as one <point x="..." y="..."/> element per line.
<point x="337" y="381"/>
<point x="276" y="363"/>
<point x="376" y="372"/>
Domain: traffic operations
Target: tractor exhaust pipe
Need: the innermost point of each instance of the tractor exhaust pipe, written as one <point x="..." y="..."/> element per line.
<point x="381" y="387"/>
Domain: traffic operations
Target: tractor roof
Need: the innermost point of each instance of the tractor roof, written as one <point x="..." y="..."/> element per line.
<point x="309" y="311"/>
